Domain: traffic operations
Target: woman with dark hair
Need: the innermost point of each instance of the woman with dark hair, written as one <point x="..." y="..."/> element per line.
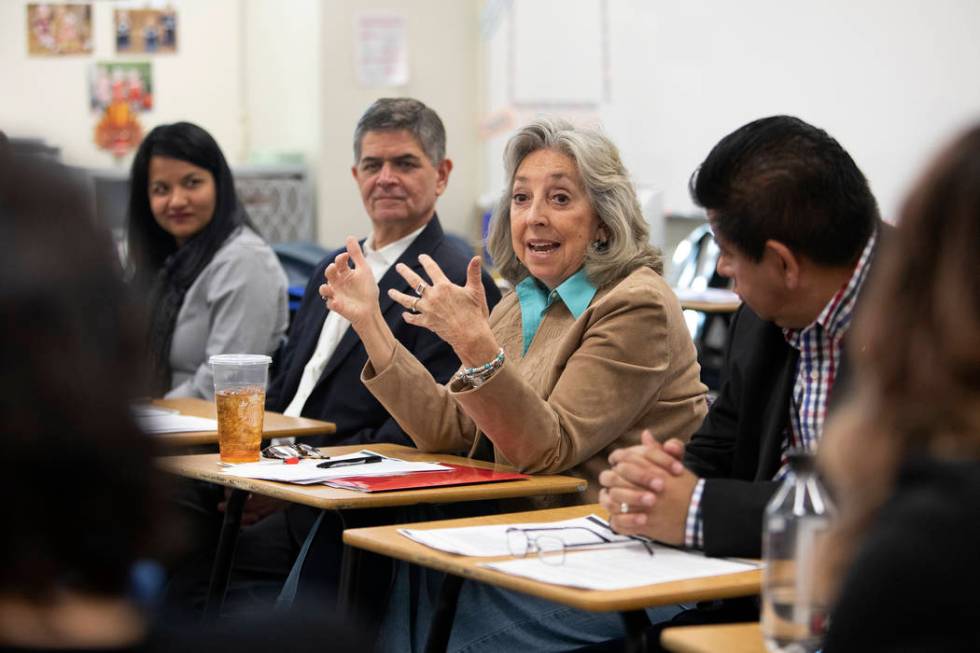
<point x="79" y="504"/>
<point x="214" y="285"/>
<point x="904" y="459"/>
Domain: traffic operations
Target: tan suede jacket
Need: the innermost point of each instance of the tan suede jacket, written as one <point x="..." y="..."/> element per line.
<point x="584" y="387"/>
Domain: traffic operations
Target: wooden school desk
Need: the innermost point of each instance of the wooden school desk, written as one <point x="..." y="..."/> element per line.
<point x="204" y="467"/>
<point x="710" y="307"/>
<point x="275" y="425"/>
<point x="722" y="638"/>
<point x="387" y="541"/>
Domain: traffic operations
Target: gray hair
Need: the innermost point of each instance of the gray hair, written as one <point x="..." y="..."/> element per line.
<point x="610" y="191"/>
<point x="408" y="114"/>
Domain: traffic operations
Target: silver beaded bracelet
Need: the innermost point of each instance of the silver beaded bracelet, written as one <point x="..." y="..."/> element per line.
<point x="476" y="376"/>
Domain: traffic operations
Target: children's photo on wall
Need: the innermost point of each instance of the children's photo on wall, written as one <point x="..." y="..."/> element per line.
<point x="129" y="82"/>
<point x="57" y="29"/>
<point x="146" y="31"/>
<point x="119" y="91"/>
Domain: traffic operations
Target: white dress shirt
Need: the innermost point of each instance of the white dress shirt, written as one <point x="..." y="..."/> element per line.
<point x="336" y="325"/>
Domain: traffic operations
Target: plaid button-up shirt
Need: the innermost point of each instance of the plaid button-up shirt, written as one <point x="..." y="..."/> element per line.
<point x="820" y="345"/>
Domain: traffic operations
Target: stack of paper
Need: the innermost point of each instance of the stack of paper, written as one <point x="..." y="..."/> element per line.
<point x="622" y="568"/>
<point x="306" y="471"/>
<point x="491" y="541"/>
<point x="599" y="567"/>
<point x="175" y="423"/>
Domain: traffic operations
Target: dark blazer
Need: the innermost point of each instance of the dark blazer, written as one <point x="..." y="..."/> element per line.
<point x="339" y="396"/>
<point x="738" y="447"/>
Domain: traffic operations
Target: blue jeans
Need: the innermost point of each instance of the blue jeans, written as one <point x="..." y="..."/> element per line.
<point x="489" y="618"/>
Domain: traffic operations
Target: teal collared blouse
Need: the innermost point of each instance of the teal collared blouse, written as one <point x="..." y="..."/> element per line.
<point x="535" y="299"/>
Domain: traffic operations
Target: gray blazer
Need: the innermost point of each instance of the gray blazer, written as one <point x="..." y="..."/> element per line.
<point x="237" y="305"/>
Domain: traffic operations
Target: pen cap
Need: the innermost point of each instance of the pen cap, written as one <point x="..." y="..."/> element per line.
<point x="235" y="371"/>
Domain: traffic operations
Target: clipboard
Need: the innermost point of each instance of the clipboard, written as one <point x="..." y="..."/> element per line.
<point x="457" y="475"/>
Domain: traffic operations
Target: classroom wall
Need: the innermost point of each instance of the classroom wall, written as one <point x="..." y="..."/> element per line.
<point x="890" y="79"/>
<point x="443" y="73"/>
<point x="282" y="80"/>
<point x="48" y="97"/>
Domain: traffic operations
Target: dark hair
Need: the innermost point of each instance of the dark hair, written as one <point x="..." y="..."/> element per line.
<point x="408" y="114"/>
<point x="159" y="268"/>
<point x="80" y="494"/>
<point x="149" y="244"/>
<point x="780" y="178"/>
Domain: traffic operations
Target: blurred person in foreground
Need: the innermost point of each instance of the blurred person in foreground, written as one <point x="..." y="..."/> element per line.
<point x="81" y="491"/>
<point x="904" y="458"/>
<point x="213" y="285"/>
<point x="84" y="498"/>
<point x="590" y="349"/>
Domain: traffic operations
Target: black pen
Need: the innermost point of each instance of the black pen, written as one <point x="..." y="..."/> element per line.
<point x="365" y="460"/>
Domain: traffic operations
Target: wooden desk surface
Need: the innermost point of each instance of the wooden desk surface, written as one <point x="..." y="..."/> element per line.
<point x="710" y="307"/>
<point x="275" y="425"/>
<point x="205" y="467"/>
<point x="724" y="638"/>
<point x="387" y="541"/>
<point x="709" y="300"/>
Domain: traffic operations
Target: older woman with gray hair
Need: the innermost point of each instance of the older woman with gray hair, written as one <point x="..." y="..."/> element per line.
<point x="587" y="352"/>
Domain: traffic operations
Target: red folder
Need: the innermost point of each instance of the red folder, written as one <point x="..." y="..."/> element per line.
<point x="458" y="475"/>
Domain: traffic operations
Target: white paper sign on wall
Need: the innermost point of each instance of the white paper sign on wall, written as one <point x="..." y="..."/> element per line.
<point x="381" y="49"/>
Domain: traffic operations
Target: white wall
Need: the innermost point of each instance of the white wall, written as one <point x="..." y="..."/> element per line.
<point x="48" y="97"/>
<point x="282" y="79"/>
<point x="443" y="73"/>
<point x="890" y="79"/>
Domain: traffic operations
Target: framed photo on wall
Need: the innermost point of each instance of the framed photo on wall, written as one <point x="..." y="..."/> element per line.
<point x="59" y="29"/>
<point x="145" y="31"/>
<point x="121" y="81"/>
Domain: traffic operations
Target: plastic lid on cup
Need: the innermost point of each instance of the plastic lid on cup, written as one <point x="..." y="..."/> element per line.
<point x="239" y="359"/>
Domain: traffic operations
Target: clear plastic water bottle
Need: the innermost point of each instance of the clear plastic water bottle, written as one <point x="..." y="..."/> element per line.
<point x="794" y="611"/>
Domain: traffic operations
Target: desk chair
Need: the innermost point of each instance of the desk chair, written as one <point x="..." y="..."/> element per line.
<point x="695" y="266"/>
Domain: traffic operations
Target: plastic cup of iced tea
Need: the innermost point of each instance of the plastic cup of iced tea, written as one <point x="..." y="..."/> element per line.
<point x="239" y="393"/>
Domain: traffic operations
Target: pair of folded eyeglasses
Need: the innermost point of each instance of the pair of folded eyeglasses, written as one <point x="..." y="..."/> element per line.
<point x="287" y="451"/>
<point x="551" y="544"/>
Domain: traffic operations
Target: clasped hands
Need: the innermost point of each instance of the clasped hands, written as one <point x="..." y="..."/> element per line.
<point x="651" y="483"/>
<point x="452" y="312"/>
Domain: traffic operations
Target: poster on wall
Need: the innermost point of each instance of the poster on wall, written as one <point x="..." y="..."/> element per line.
<point x="145" y="31"/>
<point x="119" y="92"/>
<point x="59" y="29"/>
<point x="129" y="82"/>
<point x="381" y="49"/>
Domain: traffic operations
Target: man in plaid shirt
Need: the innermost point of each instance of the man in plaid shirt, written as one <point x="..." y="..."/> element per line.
<point x="797" y="227"/>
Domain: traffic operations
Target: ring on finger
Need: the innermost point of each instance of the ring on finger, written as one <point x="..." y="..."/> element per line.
<point x="624" y="508"/>
<point x="415" y="305"/>
<point x="420" y="289"/>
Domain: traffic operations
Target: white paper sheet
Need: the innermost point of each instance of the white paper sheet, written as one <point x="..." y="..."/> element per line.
<point x="306" y="471"/>
<point x="621" y="568"/>
<point x="489" y="541"/>
<point x="175" y="423"/>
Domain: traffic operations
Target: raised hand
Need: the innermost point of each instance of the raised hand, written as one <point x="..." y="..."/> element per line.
<point x="352" y="292"/>
<point x="457" y="314"/>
